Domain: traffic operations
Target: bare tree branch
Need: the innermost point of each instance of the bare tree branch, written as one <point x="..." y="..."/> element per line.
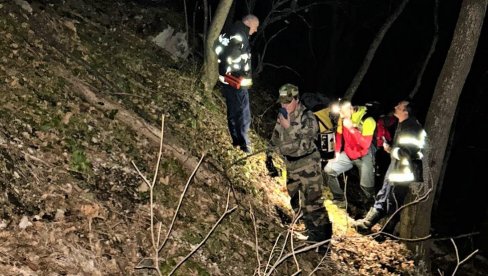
<point x="430" y="53"/>
<point x="261" y="56"/>
<point x="151" y="185"/>
<point x="282" y="66"/>
<point x="179" y="203"/>
<point x="226" y="212"/>
<point x="372" y="51"/>
<point x="272" y="251"/>
<point x="256" y="238"/>
<point x="459" y="263"/>
<point x="424" y="197"/>
<point x="301" y="250"/>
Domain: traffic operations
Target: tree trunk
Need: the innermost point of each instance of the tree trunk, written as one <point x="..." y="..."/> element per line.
<point x="441" y="114"/>
<point x="209" y="70"/>
<point x="372" y="51"/>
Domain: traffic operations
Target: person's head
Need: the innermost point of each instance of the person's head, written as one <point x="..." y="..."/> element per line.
<point x="403" y="110"/>
<point x="252" y="22"/>
<point x="289" y="97"/>
<point x="346" y="109"/>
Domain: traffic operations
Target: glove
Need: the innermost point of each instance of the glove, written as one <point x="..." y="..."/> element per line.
<point x="272" y="171"/>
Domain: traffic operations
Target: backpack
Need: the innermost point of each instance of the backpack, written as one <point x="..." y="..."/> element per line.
<point x="319" y="105"/>
<point x="385" y="123"/>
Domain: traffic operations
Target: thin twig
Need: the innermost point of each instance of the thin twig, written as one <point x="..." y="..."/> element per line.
<point x="459" y="263"/>
<point x="289" y="233"/>
<point x="179" y="203"/>
<point x="403" y="239"/>
<point x="256" y="238"/>
<point x="227" y="211"/>
<point x="458" y="236"/>
<point x="345" y="198"/>
<point x="321" y="261"/>
<point x="301" y="250"/>
<point x="469" y="256"/>
<point x="292" y="229"/>
<point x="297" y="273"/>
<point x="272" y="251"/>
<point x="155" y="243"/>
<point x="422" y="198"/>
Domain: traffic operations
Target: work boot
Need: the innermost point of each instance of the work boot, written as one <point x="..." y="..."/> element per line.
<point x="320" y="233"/>
<point x="246" y="149"/>
<point x="365" y="224"/>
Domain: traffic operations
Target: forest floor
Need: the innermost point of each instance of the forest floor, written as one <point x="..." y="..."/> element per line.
<point x="83" y="91"/>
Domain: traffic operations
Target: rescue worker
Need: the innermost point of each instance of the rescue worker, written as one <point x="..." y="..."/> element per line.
<point x="405" y="166"/>
<point x="294" y="138"/>
<point x="234" y="58"/>
<point x="353" y="147"/>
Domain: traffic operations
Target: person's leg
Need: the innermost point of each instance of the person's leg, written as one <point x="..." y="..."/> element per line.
<point x="335" y="167"/>
<point x="395" y="201"/>
<point x="244" y="121"/>
<point x="232" y="103"/>
<point x="315" y="215"/>
<point x="366" y="170"/>
<point x="383" y="196"/>
<point x="293" y="186"/>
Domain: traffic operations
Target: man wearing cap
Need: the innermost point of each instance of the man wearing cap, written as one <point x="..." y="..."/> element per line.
<point x="294" y="138"/>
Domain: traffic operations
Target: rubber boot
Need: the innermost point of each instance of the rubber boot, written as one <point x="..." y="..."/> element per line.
<point x="365" y="224"/>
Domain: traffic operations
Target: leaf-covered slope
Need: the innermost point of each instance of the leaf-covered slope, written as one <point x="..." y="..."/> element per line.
<point x="72" y="201"/>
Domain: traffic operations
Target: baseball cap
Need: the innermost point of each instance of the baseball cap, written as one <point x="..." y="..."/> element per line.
<point x="287" y="93"/>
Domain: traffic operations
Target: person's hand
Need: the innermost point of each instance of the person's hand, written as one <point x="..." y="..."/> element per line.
<point x="347" y="123"/>
<point x="386" y="147"/>
<point x="285" y="123"/>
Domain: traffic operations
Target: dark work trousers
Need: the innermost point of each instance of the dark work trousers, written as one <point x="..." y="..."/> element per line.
<point x="392" y="195"/>
<point x="238" y="115"/>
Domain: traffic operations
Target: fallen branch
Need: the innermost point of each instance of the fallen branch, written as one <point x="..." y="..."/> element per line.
<point x="132" y="120"/>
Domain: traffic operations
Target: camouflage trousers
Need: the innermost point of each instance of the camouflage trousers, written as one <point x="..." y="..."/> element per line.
<point x="305" y="176"/>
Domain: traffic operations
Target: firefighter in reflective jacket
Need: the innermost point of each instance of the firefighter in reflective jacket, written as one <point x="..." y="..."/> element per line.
<point x="234" y="58"/>
<point x="405" y="167"/>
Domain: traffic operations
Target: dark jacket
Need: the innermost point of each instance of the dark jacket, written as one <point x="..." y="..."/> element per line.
<point x="234" y="57"/>
<point x="407" y="149"/>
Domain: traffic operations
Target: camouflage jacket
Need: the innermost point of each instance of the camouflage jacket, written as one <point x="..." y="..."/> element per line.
<point x="299" y="139"/>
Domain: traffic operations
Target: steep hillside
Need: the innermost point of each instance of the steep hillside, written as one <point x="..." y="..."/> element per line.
<point x="82" y="93"/>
